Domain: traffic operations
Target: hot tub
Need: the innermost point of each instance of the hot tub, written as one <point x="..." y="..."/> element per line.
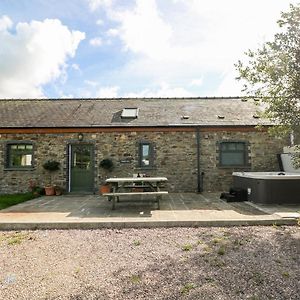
<point x="269" y="187"/>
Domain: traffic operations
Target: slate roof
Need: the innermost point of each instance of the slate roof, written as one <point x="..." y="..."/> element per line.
<point x="107" y="112"/>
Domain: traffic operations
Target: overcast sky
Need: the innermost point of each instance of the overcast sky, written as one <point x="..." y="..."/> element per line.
<point x="129" y="48"/>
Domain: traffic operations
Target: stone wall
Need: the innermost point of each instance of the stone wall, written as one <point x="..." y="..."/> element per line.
<point x="175" y="157"/>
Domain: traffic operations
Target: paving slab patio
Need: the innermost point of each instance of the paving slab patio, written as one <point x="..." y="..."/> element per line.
<point x="188" y="209"/>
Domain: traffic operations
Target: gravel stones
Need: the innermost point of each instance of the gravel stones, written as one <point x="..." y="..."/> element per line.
<point x="173" y="263"/>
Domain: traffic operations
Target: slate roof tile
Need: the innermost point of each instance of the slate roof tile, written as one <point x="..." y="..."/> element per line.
<point x="107" y="112"/>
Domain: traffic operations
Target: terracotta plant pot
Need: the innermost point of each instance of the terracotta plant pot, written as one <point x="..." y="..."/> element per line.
<point x="49" y="190"/>
<point x="58" y="191"/>
<point x="104" y="189"/>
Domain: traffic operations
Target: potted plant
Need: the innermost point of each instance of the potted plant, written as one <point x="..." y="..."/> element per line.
<point x="58" y="190"/>
<point x="35" y="189"/>
<point x="107" y="165"/>
<point x="105" y="188"/>
<point x="51" y="166"/>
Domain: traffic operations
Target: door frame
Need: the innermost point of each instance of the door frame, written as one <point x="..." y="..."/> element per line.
<point x="69" y="163"/>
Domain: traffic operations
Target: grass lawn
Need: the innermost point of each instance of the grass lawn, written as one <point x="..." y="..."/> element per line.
<point x="13" y="199"/>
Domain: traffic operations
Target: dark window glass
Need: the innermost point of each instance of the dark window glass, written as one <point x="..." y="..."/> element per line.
<point x="82" y="158"/>
<point x="145" y="155"/>
<point x="232" y="154"/>
<point x="19" y="155"/>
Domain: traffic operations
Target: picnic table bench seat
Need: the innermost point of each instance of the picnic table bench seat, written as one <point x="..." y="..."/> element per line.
<point x="113" y="196"/>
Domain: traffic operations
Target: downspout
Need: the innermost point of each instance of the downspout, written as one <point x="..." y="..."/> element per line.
<point x="69" y="166"/>
<point x="199" y="174"/>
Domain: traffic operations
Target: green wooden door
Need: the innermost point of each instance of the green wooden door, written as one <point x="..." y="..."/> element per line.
<point x="82" y="168"/>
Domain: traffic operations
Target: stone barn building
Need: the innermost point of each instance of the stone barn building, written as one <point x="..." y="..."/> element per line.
<point x="195" y="142"/>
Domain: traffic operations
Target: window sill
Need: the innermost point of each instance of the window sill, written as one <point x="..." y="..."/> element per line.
<point x="146" y="168"/>
<point x="248" y="167"/>
<point x="19" y="169"/>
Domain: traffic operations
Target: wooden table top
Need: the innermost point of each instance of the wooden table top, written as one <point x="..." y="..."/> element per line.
<point x="136" y="179"/>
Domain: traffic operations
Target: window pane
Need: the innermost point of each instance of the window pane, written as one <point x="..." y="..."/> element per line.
<point x="231" y="146"/>
<point x="229" y="159"/>
<point x="223" y="146"/>
<point x="145" y="150"/>
<point x="20" y="155"/>
<point x="145" y="155"/>
<point x="82" y="158"/>
<point x="232" y="154"/>
<point x="26" y="160"/>
<point x="240" y="146"/>
<point x="129" y="113"/>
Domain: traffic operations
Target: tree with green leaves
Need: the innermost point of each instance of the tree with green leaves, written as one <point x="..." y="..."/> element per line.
<point x="272" y="73"/>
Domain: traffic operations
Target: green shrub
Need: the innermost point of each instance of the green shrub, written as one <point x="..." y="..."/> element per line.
<point x="107" y="164"/>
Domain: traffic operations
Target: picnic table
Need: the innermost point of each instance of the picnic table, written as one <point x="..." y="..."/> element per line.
<point x="136" y="186"/>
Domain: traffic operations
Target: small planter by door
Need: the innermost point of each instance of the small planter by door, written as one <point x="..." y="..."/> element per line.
<point x="58" y="191"/>
<point x="49" y="190"/>
<point x="104" y="189"/>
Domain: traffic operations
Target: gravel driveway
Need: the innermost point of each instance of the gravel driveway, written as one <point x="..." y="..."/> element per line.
<point x="176" y="263"/>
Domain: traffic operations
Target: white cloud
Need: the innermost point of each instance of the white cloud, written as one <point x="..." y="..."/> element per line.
<point x="75" y="67"/>
<point x="179" y="40"/>
<point x="95" y="4"/>
<point x="91" y="83"/>
<point x="228" y="86"/>
<point x="112" y="32"/>
<point x="108" y="92"/>
<point x="99" y="22"/>
<point x="164" y="90"/>
<point x="161" y="90"/>
<point x="64" y="96"/>
<point x="5" y="23"/>
<point x="197" y="82"/>
<point x="34" y="55"/>
<point x="143" y="31"/>
<point x="158" y="90"/>
<point x="96" y="42"/>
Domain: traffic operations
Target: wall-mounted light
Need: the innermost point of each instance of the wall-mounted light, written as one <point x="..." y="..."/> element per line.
<point x="80" y="137"/>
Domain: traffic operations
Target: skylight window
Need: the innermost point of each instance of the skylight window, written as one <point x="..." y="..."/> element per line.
<point x="185" y="117"/>
<point x="130" y="113"/>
